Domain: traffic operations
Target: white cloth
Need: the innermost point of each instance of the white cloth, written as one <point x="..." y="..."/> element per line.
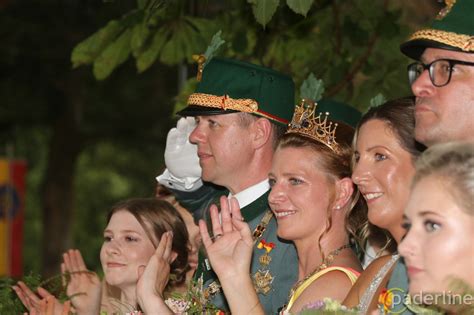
<point x="252" y="193"/>
<point x="369" y="256"/>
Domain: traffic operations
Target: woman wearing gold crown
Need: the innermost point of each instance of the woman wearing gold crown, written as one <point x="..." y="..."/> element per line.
<point x="312" y="198"/>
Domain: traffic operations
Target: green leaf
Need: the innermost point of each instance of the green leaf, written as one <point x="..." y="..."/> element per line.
<point x="377" y="100"/>
<point x="216" y="43"/>
<point x="114" y="55"/>
<point x="300" y="6"/>
<point x="140" y="35"/>
<point x="312" y="88"/>
<point x="263" y="10"/>
<point x="187" y="38"/>
<point x="171" y="54"/>
<point x="148" y="57"/>
<point x="87" y="51"/>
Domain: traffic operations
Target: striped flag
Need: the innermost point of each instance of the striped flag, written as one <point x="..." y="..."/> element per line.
<point x="12" y="203"/>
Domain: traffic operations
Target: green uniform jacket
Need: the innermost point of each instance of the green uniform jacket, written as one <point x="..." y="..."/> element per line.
<point x="283" y="266"/>
<point x="399" y="284"/>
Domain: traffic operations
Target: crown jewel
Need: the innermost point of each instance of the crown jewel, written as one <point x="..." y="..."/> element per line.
<point x="319" y="128"/>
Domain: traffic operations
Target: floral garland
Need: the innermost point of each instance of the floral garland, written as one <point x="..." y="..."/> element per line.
<point x="193" y="301"/>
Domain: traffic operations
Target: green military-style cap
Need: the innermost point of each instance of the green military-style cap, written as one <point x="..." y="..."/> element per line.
<point x="320" y="120"/>
<point x="453" y="29"/>
<point x="340" y="112"/>
<point x="230" y="86"/>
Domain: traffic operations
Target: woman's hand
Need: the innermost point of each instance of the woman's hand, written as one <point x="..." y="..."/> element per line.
<point x="34" y="302"/>
<point x="50" y="306"/>
<point x="230" y="252"/>
<point x="84" y="288"/>
<point x="230" y="249"/>
<point x="153" y="278"/>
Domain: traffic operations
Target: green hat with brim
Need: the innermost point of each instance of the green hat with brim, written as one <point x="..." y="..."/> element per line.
<point x="232" y="86"/>
<point x="322" y="120"/>
<point x="453" y="29"/>
<point x="339" y="112"/>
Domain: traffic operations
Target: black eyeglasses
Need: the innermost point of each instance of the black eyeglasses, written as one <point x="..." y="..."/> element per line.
<point x="440" y="70"/>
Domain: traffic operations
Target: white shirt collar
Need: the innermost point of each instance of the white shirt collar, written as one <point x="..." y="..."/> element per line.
<point x="249" y="195"/>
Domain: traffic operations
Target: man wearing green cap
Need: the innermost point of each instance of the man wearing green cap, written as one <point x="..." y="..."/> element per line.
<point x="444" y="108"/>
<point x="445" y="93"/>
<point x="240" y="110"/>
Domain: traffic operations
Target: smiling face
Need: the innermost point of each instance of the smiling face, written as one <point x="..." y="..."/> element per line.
<point x="383" y="172"/>
<point x="300" y="193"/>
<point x="224" y="148"/>
<point x="445" y="113"/>
<point x="440" y="238"/>
<point x="126" y="247"/>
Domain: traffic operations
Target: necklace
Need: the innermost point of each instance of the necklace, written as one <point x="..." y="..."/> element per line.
<point x="324" y="264"/>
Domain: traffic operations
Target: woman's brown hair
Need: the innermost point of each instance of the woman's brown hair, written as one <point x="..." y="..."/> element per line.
<point x="399" y="115"/>
<point x="157" y="217"/>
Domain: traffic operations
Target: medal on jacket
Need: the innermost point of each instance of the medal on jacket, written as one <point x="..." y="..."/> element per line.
<point x="263" y="279"/>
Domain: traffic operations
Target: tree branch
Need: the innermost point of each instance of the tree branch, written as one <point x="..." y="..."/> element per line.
<point x="358" y="64"/>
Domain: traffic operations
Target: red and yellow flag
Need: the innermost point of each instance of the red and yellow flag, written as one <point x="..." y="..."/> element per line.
<point x="12" y="203"/>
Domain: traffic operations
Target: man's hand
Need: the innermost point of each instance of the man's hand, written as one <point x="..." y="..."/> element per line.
<point x="182" y="162"/>
<point x="181" y="155"/>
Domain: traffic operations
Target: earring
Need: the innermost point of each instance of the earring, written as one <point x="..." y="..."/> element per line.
<point x="338" y="207"/>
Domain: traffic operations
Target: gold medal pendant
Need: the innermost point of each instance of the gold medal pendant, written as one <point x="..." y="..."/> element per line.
<point x="265" y="259"/>
<point x="262" y="281"/>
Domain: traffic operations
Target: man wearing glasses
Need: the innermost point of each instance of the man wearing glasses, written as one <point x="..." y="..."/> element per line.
<point x="442" y="78"/>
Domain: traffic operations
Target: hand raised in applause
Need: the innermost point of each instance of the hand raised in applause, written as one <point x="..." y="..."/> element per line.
<point x="36" y="303"/>
<point x="84" y="287"/>
<point x="230" y="249"/>
<point x="50" y="306"/>
<point x="154" y="277"/>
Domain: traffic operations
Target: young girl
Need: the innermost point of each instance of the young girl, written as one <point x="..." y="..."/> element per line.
<point x="439" y="218"/>
<point x="140" y="233"/>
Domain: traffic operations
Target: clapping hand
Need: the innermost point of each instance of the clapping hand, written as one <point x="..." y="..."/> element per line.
<point x="84" y="287"/>
<point x="154" y="277"/>
<point x="38" y="303"/>
<point x="50" y="306"/>
<point x="230" y="249"/>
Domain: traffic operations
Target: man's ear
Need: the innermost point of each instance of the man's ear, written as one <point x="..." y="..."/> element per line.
<point x="344" y="190"/>
<point x="262" y="132"/>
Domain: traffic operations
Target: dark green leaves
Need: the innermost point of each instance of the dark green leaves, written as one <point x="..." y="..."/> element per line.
<point x="149" y="33"/>
<point x="263" y="10"/>
<point x="145" y="59"/>
<point x="300" y="6"/>
<point x="86" y="51"/>
<point x="114" y="55"/>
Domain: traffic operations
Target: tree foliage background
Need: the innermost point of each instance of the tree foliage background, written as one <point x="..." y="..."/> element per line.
<point x="88" y="89"/>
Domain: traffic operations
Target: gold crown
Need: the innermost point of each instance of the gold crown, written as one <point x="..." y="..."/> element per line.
<point x="319" y="128"/>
